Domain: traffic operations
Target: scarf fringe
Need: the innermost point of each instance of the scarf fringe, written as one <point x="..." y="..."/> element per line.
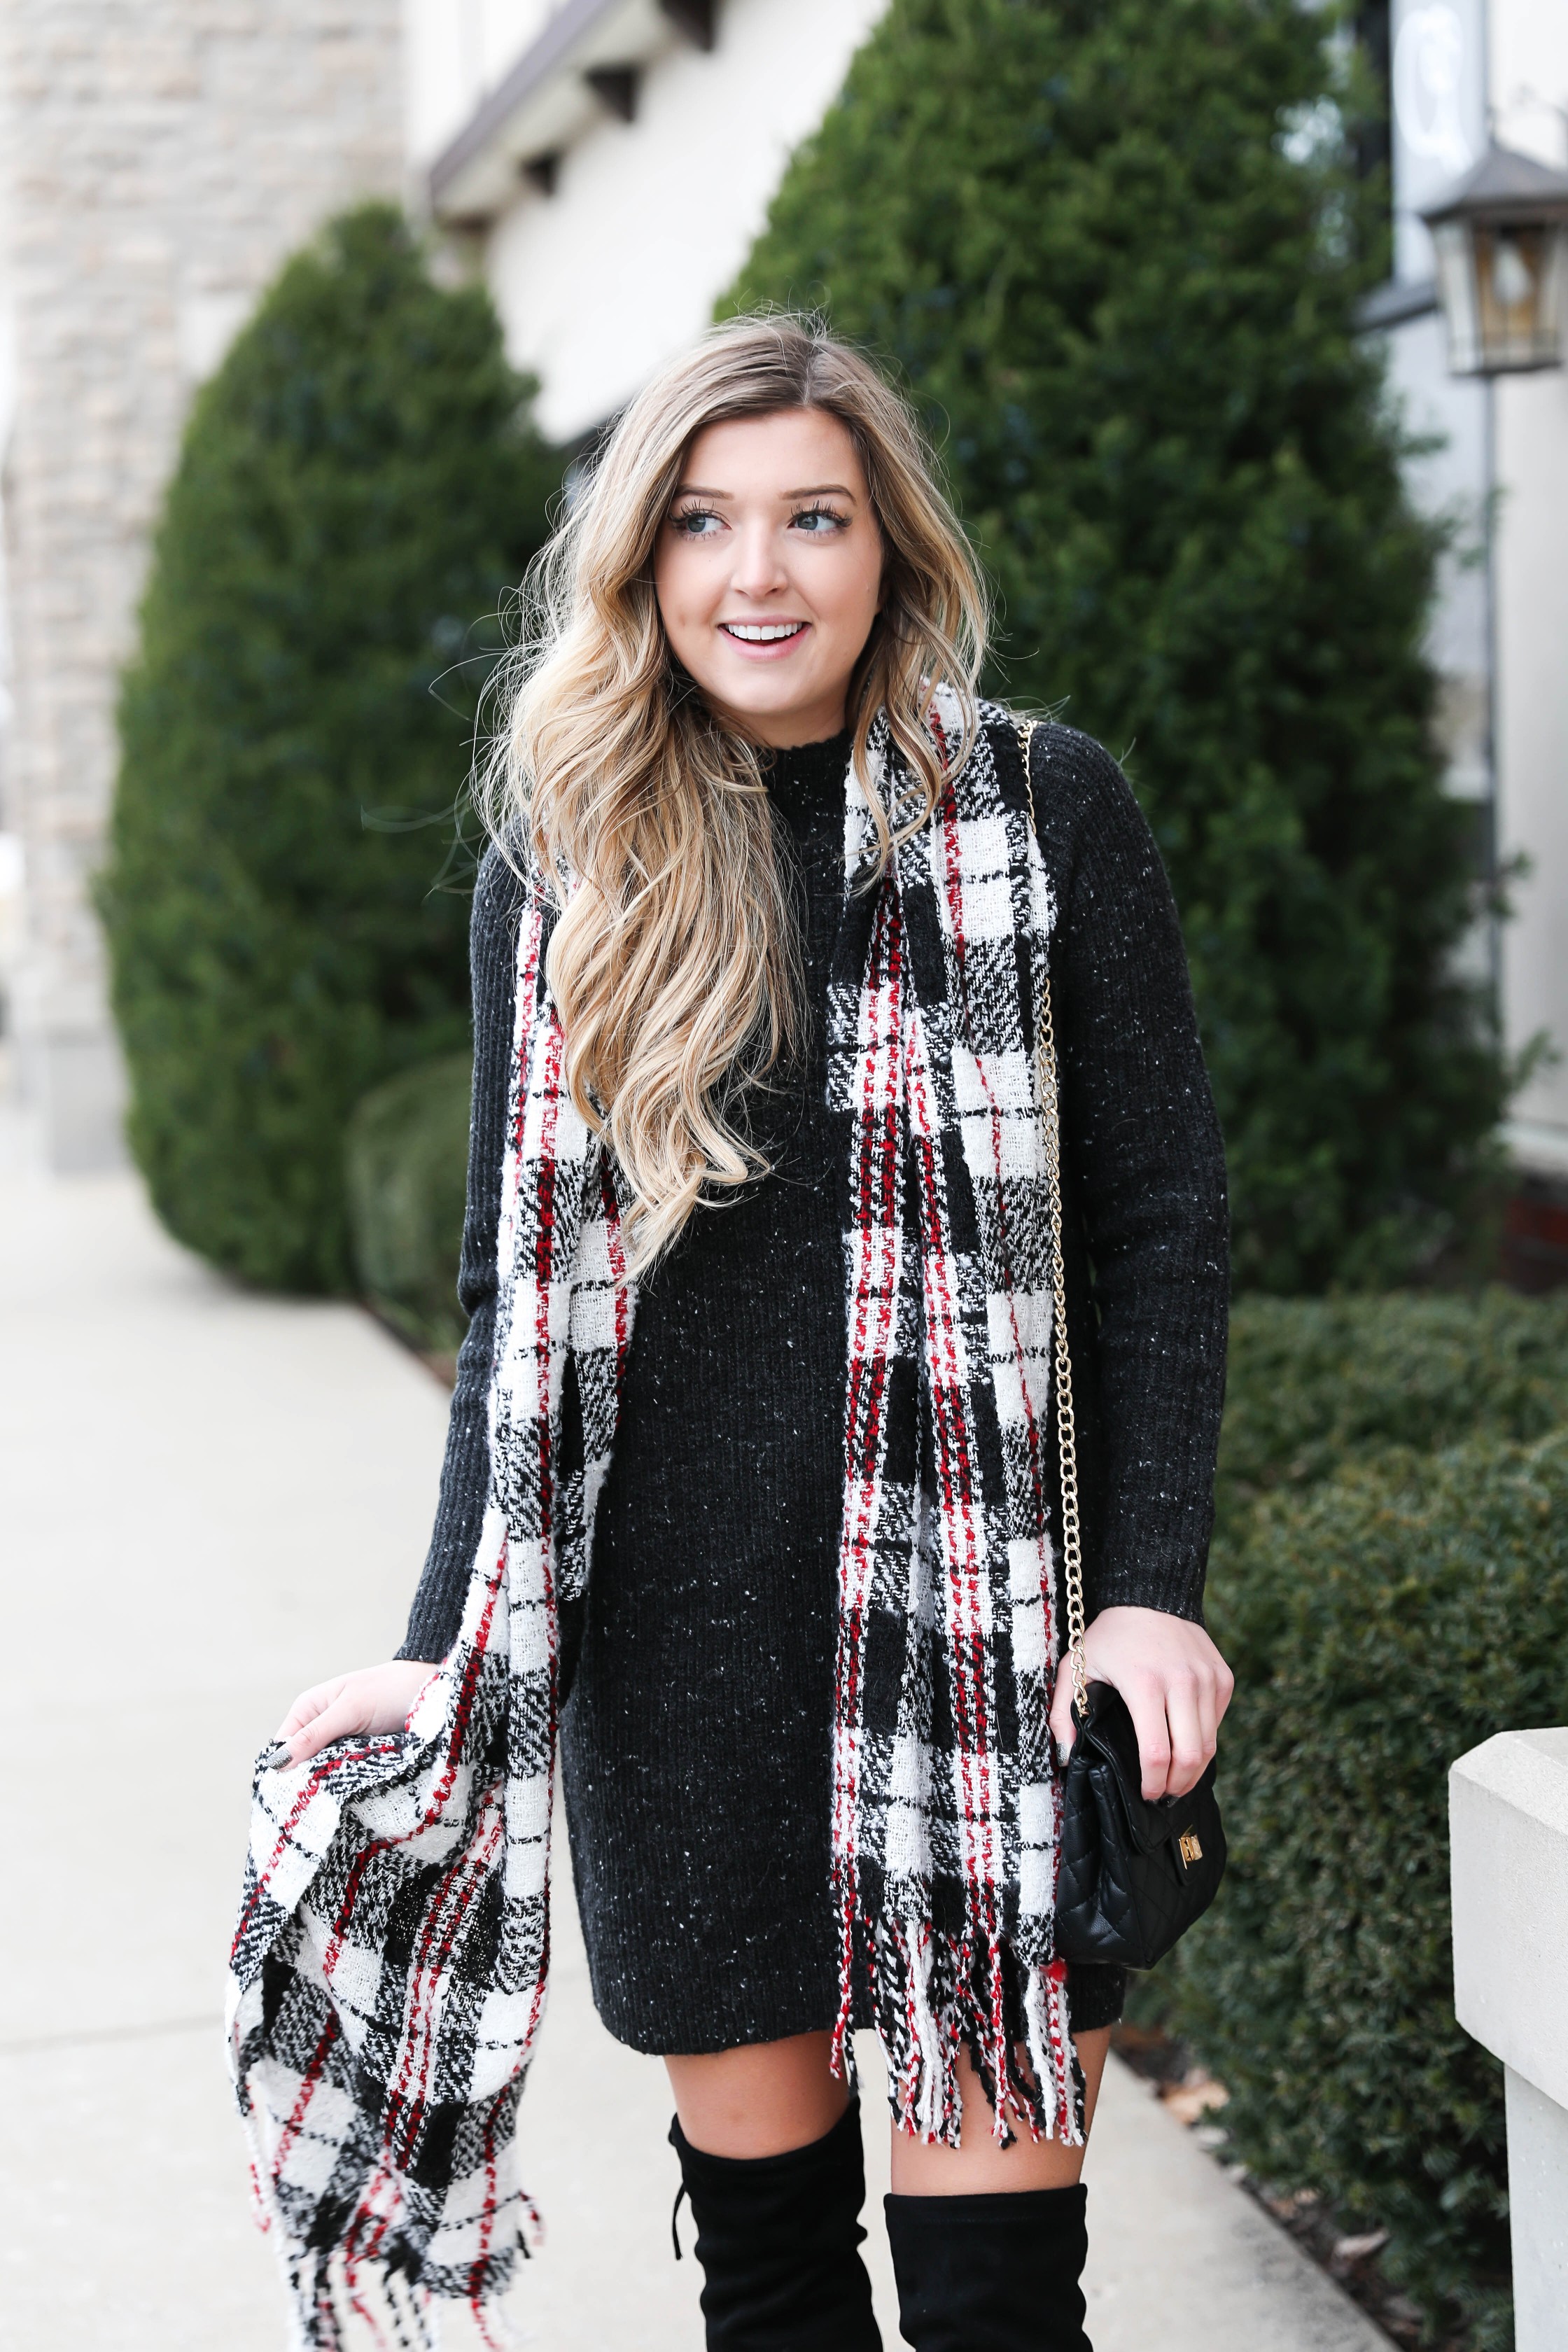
<point x="328" y="2291"/>
<point x="929" y="1997"/>
<point x="326" y="2288"/>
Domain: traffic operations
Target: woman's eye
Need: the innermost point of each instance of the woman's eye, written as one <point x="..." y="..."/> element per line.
<point x="818" y="522"/>
<point x="697" y="523"/>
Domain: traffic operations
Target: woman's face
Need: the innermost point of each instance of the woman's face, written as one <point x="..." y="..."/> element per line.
<point x="769" y="573"/>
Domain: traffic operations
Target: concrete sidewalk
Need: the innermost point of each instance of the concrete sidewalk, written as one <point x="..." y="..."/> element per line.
<point x="206" y="1500"/>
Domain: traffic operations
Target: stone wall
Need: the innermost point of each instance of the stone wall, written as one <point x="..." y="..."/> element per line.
<point x="157" y="162"/>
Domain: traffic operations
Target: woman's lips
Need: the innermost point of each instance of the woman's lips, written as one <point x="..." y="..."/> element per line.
<point x="764" y="648"/>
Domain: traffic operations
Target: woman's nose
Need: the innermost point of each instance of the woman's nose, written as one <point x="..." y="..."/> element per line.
<point x="759" y="569"/>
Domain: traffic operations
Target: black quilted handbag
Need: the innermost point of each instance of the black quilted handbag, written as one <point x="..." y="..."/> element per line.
<point x="1132" y="1875"/>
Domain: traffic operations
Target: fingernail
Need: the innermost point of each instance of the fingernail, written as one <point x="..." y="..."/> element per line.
<point x="278" y="1756"/>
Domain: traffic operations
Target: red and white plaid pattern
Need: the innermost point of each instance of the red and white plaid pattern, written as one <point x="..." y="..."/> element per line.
<point x="945" y="1795"/>
<point x="389" y="1966"/>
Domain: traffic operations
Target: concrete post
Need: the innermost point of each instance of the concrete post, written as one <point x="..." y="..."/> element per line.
<point x="1508" y="1814"/>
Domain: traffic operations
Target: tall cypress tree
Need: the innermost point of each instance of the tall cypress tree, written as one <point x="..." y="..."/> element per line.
<point x="1100" y="242"/>
<point x="359" y="485"/>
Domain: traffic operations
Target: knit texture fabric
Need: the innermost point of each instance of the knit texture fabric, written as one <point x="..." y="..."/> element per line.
<point x="390" y="1965"/>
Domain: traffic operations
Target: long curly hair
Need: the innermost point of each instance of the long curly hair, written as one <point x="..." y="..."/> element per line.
<point x="675" y="960"/>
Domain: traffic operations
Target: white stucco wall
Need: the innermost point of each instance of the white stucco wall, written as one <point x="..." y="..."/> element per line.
<point x="601" y="282"/>
<point x="1529" y="66"/>
<point x="1453" y="61"/>
<point x="454" y="50"/>
<point x="1450" y="413"/>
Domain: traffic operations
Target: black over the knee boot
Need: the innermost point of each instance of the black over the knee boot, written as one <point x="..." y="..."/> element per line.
<point x="778" y="2238"/>
<point x="991" y="2274"/>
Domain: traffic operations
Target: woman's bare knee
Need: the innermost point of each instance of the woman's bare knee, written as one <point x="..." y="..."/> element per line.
<point x="980" y="2166"/>
<point x="760" y="2100"/>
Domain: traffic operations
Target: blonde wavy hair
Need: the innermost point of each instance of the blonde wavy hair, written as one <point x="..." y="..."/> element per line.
<point x="675" y="960"/>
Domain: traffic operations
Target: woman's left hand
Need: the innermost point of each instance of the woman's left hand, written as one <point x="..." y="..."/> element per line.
<point x="1176" y="1683"/>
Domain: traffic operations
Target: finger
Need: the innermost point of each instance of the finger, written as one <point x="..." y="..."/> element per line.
<point x="1225" y="1689"/>
<point x="1208" y="1713"/>
<point x="1146" y="1704"/>
<point x="338" y="1721"/>
<point x="309" y="1705"/>
<point x="1190" y="1751"/>
<point x="1064" y="1729"/>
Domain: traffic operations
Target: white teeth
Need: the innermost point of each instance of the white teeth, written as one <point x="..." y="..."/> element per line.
<point x="761" y="632"/>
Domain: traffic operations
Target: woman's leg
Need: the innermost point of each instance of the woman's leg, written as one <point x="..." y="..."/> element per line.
<point x="759" y="2101"/>
<point x="770" y="2157"/>
<point x="988" y="2242"/>
<point x="979" y="2166"/>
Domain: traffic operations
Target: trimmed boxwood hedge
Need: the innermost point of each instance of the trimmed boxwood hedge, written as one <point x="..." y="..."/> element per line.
<point x="406" y="1162"/>
<point x="1390" y="1582"/>
<point x="359" y="488"/>
<point x="1316" y="1383"/>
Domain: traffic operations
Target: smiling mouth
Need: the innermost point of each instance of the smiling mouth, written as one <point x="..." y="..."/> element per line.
<point x="762" y="633"/>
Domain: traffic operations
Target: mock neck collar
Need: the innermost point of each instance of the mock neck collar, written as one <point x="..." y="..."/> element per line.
<point x="805" y="780"/>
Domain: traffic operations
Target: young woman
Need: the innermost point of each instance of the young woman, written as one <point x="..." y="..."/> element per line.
<point x="757" y="1264"/>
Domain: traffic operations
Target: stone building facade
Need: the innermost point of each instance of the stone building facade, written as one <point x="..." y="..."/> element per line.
<point x="156" y="164"/>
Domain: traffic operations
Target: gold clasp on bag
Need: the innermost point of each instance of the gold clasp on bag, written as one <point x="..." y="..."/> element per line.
<point x="1189" y="1849"/>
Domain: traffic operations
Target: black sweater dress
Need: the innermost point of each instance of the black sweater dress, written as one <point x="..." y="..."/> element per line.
<point x="697" y="1672"/>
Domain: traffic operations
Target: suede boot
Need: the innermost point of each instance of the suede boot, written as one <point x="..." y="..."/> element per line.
<point x="991" y="2274"/>
<point x="778" y="2238"/>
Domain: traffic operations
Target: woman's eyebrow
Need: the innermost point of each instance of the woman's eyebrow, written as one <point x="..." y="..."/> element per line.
<point x="812" y="490"/>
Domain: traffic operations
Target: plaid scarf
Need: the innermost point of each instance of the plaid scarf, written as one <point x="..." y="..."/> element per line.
<point x="389" y="1966"/>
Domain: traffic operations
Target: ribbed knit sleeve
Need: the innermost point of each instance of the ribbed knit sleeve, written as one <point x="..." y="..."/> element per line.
<point x="1145" y="1169"/>
<point x="437" y="1609"/>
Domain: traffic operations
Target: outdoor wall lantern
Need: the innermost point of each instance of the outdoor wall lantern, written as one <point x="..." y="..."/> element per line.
<point x="1501" y="240"/>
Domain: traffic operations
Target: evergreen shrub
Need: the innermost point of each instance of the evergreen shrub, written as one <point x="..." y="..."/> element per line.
<point x="1390" y="1582"/>
<point x="1115" y="253"/>
<point x="287" y="912"/>
<point x="1315" y="1384"/>
<point x="407" y="1158"/>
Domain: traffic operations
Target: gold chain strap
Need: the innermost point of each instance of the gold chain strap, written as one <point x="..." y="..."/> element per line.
<point x="1067" y="1428"/>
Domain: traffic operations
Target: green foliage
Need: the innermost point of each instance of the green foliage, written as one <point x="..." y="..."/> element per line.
<point x="1076" y="228"/>
<point x="358" y="486"/>
<point x="1315" y="1384"/>
<point x="1390" y="1582"/>
<point x="406" y="1162"/>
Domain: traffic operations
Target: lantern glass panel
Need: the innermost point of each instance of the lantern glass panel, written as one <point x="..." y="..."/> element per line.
<point x="1515" y="275"/>
<point x="1504" y="288"/>
<point x="1455" y="253"/>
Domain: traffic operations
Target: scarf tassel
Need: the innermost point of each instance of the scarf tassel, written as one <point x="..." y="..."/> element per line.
<point x="395" y="2315"/>
<point x="932" y="1996"/>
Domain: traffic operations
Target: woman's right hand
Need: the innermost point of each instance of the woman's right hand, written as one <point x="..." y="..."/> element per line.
<point x="376" y="1698"/>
